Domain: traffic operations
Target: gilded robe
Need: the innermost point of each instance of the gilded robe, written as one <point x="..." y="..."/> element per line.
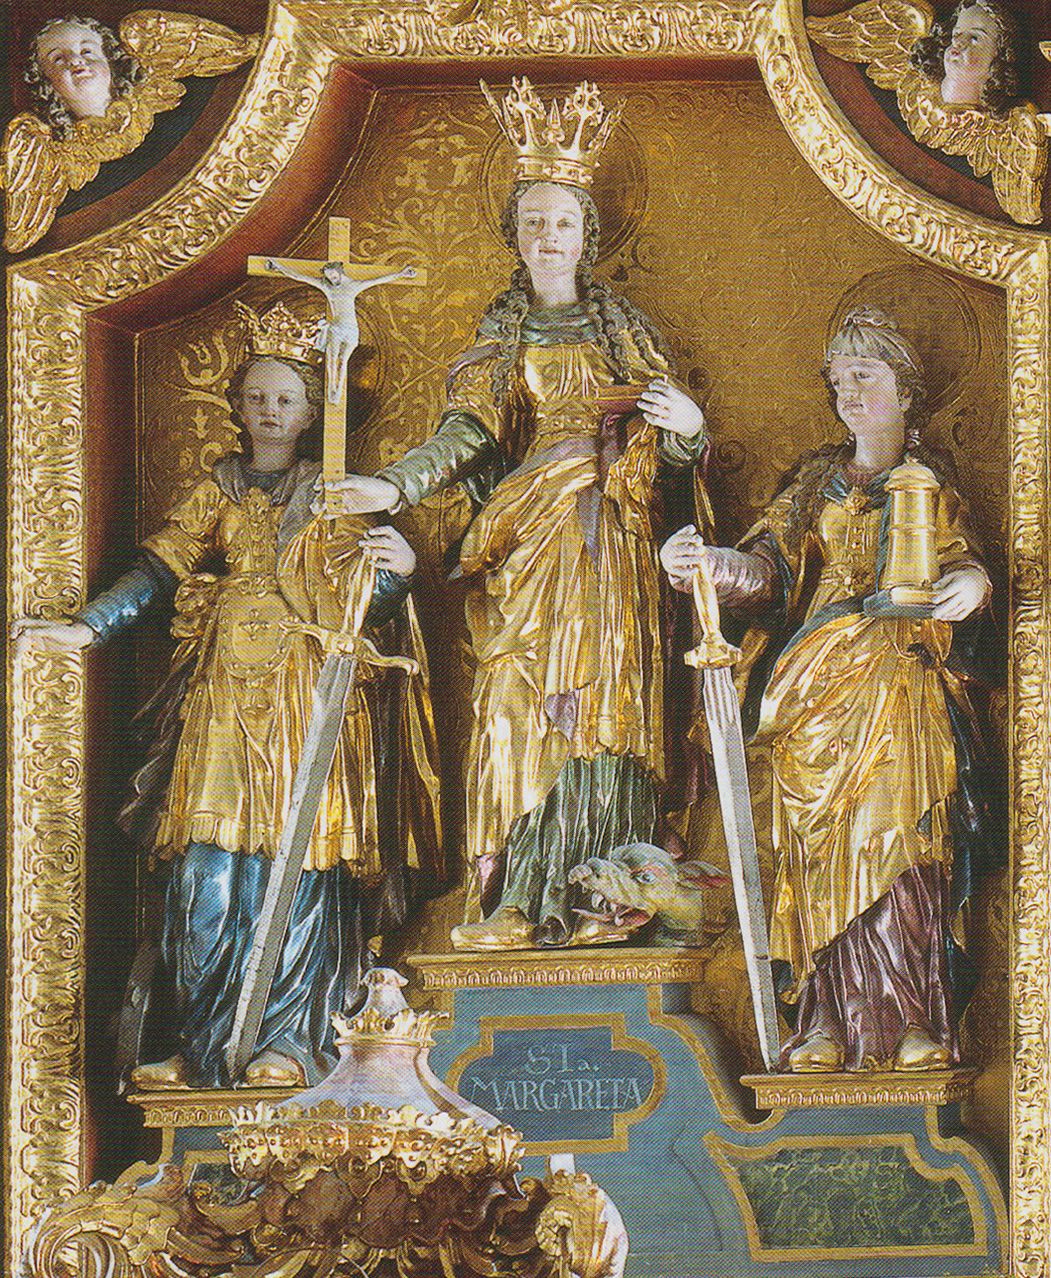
<point x="244" y="704"/>
<point x="563" y="610"/>
<point x="864" y="715"/>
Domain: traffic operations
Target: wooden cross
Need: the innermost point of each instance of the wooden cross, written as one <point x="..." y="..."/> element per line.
<point x="334" y="455"/>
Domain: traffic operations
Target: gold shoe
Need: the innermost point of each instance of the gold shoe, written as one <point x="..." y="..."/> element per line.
<point x="160" y="1075"/>
<point x="818" y="1053"/>
<point x="506" y="929"/>
<point x="271" y="1069"/>
<point x="918" y="1050"/>
<point x="598" y="932"/>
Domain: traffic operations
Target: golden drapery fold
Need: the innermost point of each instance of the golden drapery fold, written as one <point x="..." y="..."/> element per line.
<point x="563" y="608"/>
<point x="856" y="713"/>
<point x="249" y="698"/>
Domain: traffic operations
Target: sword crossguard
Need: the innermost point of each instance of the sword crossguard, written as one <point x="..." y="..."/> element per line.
<point x="357" y="646"/>
<point x="713" y="651"/>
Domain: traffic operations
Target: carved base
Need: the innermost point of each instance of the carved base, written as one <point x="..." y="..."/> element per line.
<point x="883" y="1087"/>
<point x="599" y="1055"/>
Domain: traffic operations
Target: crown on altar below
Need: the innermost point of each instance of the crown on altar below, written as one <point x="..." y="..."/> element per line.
<point x="559" y="145"/>
<point x="279" y="333"/>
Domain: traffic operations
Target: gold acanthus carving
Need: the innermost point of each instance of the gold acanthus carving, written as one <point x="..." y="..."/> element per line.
<point x="552" y="1228"/>
<point x="45" y="1040"/>
<point x="488" y="28"/>
<point x="45" y="877"/>
<point x="1029" y="316"/>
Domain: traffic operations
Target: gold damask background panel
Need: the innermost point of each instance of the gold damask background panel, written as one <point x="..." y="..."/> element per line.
<point x="731" y="245"/>
<point x="718" y="229"/>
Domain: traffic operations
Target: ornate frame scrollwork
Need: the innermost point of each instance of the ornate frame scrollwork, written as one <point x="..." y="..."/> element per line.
<point x="51" y="297"/>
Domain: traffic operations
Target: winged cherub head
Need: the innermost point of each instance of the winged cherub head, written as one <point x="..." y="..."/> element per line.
<point x="76" y="67"/>
<point x="973" y="53"/>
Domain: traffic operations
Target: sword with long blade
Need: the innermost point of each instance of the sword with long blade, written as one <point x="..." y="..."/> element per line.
<point x="328" y="712"/>
<point x="717" y="658"/>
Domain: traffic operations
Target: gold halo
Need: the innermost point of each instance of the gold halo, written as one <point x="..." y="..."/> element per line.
<point x="933" y="312"/>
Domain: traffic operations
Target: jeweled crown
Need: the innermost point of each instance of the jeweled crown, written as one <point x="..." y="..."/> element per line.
<point x="559" y="145"/>
<point x="279" y="333"/>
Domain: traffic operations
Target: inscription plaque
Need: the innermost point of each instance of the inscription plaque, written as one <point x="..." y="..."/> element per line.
<point x="559" y="1084"/>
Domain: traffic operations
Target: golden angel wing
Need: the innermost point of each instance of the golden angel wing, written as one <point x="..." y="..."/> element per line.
<point x="180" y="44"/>
<point x="880" y="33"/>
<point x="34" y="180"/>
<point x="1013" y="148"/>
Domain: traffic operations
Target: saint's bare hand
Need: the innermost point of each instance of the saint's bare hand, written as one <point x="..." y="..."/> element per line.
<point x="387" y="548"/>
<point x="960" y="592"/>
<point x="32" y="634"/>
<point x="681" y="556"/>
<point x="670" y="408"/>
<point x="361" y="495"/>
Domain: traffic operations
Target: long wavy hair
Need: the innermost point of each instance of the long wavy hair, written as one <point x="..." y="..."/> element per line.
<point x="1002" y="86"/>
<point x="616" y="319"/>
<point x="868" y="333"/>
<point x="125" y="71"/>
<point x="308" y="445"/>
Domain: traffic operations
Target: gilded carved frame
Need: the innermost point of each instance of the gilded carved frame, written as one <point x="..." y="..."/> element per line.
<point x="49" y="300"/>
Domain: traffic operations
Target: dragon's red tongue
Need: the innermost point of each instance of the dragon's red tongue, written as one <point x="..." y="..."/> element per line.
<point x="629" y="916"/>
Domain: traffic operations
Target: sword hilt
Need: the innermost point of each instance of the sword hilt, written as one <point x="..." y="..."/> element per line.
<point x="344" y="641"/>
<point x="713" y="651"/>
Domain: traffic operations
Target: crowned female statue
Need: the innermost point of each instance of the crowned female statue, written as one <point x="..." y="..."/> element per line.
<point x="557" y="419"/>
<point x="881" y="797"/>
<point x="216" y="788"/>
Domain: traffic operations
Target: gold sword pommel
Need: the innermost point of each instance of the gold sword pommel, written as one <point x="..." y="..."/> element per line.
<point x="713" y="651"/>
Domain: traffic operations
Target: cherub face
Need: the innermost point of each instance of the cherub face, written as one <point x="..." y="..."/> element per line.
<point x="970" y="56"/>
<point x="274" y="404"/>
<point x="550" y="231"/>
<point x="868" y="400"/>
<point x="75" y="66"/>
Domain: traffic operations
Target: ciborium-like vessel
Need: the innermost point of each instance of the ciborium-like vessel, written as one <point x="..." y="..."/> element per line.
<point x="380" y="1170"/>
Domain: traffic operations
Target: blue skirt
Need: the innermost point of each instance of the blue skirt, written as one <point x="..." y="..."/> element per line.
<point x="212" y="905"/>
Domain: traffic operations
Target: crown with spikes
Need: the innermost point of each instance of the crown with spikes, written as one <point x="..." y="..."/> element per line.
<point x="552" y="147"/>
<point x="278" y="333"/>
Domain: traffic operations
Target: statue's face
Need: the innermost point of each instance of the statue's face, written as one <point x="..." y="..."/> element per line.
<point x="867" y="397"/>
<point x="75" y="66"/>
<point x="274" y="404"/>
<point x="550" y="231"/>
<point x="969" y="58"/>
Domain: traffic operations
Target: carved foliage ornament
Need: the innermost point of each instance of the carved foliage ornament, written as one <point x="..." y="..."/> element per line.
<point x="39" y="166"/>
<point x="372" y="1191"/>
<point x="889" y="36"/>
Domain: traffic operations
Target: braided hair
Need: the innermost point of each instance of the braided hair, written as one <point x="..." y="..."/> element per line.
<point x="616" y="319"/>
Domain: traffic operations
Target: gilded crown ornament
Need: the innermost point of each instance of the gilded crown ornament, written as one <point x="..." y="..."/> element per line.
<point x="559" y="145"/>
<point x="279" y="333"/>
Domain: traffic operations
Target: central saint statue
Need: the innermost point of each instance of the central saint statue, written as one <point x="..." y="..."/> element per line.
<point x="557" y="419"/>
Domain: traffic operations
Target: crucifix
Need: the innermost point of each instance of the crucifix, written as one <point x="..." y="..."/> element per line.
<point x="340" y="280"/>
